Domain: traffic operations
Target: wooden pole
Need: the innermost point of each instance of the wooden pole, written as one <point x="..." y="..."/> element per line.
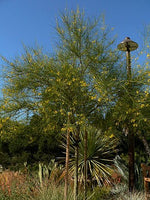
<point x="130" y="133"/>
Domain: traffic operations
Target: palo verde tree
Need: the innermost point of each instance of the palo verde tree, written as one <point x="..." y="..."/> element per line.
<point x="77" y="81"/>
<point x="86" y="47"/>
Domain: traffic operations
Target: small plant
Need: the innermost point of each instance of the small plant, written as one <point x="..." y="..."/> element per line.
<point x="134" y="196"/>
<point x="100" y="193"/>
<point x="120" y="192"/>
<point x="17" y="186"/>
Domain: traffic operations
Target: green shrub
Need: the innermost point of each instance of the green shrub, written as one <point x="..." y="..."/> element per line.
<point x="100" y="193"/>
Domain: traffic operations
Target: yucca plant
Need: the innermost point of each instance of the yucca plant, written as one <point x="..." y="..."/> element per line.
<point x="101" y="151"/>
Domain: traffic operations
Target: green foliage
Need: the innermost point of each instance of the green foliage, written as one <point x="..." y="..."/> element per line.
<point x="101" y="193"/>
<point x="41" y="89"/>
<point x="26" y="144"/>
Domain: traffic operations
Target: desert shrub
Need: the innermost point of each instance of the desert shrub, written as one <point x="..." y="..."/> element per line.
<point x="121" y="192"/>
<point x="19" y="186"/>
<point x="16" y="185"/>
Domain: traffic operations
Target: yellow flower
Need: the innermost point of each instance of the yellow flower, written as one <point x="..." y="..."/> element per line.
<point x="58" y="79"/>
<point x="69" y="113"/>
<point x="93" y="97"/>
<point x="4" y="120"/>
<point x="148" y="55"/>
<point x="83" y="83"/>
<point x="99" y="99"/>
<point x="69" y="83"/>
<point x="64" y="129"/>
<point x="111" y="136"/>
<point x="61" y="111"/>
<point x="146" y="93"/>
<point x="135" y="125"/>
<point x="132" y="120"/>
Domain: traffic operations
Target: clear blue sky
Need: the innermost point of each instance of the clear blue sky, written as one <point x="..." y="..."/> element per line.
<point x="33" y="21"/>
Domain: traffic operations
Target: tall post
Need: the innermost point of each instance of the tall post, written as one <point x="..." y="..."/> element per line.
<point x="128" y="57"/>
<point x="130" y="132"/>
<point x="128" y="45"/>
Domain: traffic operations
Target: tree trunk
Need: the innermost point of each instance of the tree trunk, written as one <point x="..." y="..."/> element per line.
<point x="145" y="144"/>
<point x="131" y="162"/>
<point x="67" y="164"/>
<point x="76" y="164"/>
<point x="85" y="165"/>
<point x="76" y="174"/>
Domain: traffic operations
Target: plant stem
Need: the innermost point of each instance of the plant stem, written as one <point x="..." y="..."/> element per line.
<point x="76" y="164"/>
<point x="85" y="165"/>
<point x="67" y="164"/>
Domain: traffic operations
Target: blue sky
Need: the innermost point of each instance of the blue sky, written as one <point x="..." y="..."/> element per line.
<point x="32" y="21"/>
